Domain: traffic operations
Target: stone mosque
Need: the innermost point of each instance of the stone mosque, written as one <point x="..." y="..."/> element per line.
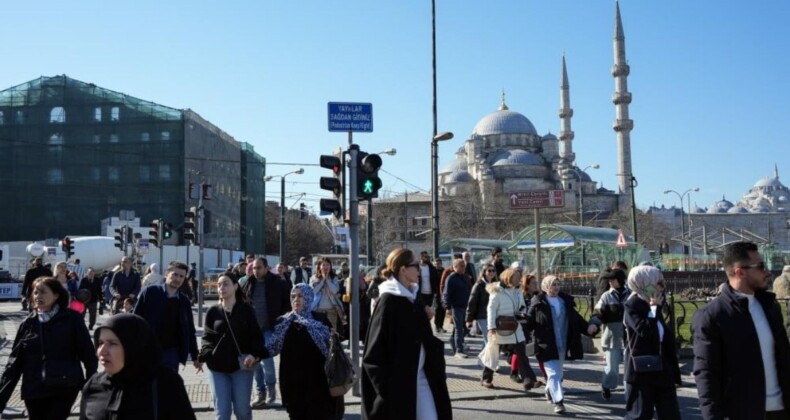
<point x="505" y="153"/>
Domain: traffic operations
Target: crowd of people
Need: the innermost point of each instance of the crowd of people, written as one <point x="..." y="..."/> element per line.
<point x="741" y="348"/>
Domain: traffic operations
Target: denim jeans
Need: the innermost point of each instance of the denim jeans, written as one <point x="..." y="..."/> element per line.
<point x="265" y="376"/>
<point x="611" y="371"/>
<point x="231" y="394"/>
<point x="483" y="324"/>
<point x="459" y="327"/>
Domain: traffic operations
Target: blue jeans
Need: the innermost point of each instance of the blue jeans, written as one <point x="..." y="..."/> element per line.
<point x="171" y="359"/>
<point x="231" y="394"/>
<point x="611" y="371"/>
<point x="265" y="376"/>
<point x="459" y="327"/>
<point x="483" y="324"/>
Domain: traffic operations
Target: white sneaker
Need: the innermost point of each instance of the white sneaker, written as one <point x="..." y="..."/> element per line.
<point x="460" y="355"/>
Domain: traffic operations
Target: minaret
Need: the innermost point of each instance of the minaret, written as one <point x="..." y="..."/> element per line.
<point x="621" y="98"/>
<point x="566" y="112"/>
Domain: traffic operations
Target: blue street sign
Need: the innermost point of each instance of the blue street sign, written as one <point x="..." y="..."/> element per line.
<point x="350" y="116"/>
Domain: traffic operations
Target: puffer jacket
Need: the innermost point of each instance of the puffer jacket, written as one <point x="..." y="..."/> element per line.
<point x="505" y="302"/>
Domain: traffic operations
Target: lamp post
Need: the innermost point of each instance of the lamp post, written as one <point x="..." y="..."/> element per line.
<point x="682" y="223"/>
<point x="581" y="196"/>
<point x="435" y="189"/>
<point x="282" y="208"/>
<point x="390" y="152"/>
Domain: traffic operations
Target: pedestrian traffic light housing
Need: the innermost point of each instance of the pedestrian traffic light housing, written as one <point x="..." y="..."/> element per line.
<point x="167" y="230"/>
<point x="368" y="181"/>
<point x="120" y="238"/>
<point x="190" y="225"/>
<point x="333" y="184"/>
<point x="155" y="234"/>
<point x="302" y="211"/>
<point x="67" y="245"/>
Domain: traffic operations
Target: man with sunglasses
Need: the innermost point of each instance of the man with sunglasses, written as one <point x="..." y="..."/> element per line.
<point x="741" y="351"/>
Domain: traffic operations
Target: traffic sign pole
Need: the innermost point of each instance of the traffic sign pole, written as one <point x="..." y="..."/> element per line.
<point x="353" y="233"/>
<point x="538" y="262"/>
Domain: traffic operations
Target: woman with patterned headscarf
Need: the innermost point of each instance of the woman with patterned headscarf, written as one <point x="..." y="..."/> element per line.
<point x="648" y="335"/>
<point x="302" y="340"/>
<point x="557" y="328"/>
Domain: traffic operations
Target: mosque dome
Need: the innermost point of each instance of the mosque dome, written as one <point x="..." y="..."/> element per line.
<point x="454" y="166"/>
<point x="722" y="206"/>
<point x="769" y="181"/>
<point x="549" y="137"/>
<point x="697" y="209"/>
<point x="459" y="177"/>
<point x="516" y="157"/>
<point x="760" y="209"/>
<point x="737" y="209"/>
<point x="504" y="121"/>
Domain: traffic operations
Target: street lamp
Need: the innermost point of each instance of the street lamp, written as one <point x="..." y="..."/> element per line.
<point x="435" y="189"/>
<point x="390" y="152"/>
<point x="682" y="223"/>
<point x="581" y="195"/>
<point x="282" y="207"/>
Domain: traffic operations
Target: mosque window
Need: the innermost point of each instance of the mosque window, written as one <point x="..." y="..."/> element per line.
<point x="115" y="114"/>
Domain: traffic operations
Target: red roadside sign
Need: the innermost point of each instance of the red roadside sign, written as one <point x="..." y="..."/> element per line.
<point x="537" y="199"/>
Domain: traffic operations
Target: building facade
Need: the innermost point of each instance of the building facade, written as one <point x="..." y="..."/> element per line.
<point x="74" y="153"/>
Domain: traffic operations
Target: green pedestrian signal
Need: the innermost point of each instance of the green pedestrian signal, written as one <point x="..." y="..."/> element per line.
<point x="368" y="181"/>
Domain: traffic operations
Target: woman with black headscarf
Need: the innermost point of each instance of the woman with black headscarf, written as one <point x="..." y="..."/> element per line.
<point x="135" y="384"/>
<point x="302" y="340"/>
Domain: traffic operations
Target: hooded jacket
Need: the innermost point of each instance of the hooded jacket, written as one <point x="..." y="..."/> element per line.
<point x="398" y="329"/>
<point x="144" y="388"/>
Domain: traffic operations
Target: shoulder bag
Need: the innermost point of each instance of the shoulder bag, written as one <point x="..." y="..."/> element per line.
<point x="241" y="356"/>
<point x="339" y="370"/>
<point x="645" y="363"/>
<point x="507" y="325"/>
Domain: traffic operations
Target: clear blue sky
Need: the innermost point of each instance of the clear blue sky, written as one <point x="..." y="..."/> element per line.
<point x="709" y="78"/>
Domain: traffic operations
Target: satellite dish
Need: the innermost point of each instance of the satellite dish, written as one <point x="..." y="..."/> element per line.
<point x="36" y="249"/>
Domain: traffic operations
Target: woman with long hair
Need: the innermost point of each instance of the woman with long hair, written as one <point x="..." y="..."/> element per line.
<point x="476" y="310"/>
<point x="232" y="338"/>
<point x="50" y="350"/>
<point x="403" y="369"/>
<point x="507" y="301"/>
<point x="302" y="339"/>
<point x="557" y="328"/>
<point x="529" y="288"/>
<point x="648" y="335"/>
<point x="326" y="287"/>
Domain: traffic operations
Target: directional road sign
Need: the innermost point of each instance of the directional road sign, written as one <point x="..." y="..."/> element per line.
<point x="537" y="199"/>
<point x="350" y="116"/>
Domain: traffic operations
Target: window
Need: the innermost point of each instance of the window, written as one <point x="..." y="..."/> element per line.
<point x="2" y="118"/>
<point x="114" y="138"/>
<point x="145" y="173"/>
<point x="95" y="174"/>
<point x="96" y="139"/>
<point x="57" y="115"/>
<point x="113" y="174"/>
<point x="145" y="137"/>
<point x="55" y="176"/>
<point x="55" y="142"/>
<point x="20" y="117"/>
<point x="164" y="172"/>
<point x="424" y="222"/>
<point x="164" y="136"/>
<point x="115" y="114"/>
<point x="97" y="114"/>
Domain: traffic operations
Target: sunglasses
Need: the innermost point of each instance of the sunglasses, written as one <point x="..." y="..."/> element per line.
<point x="415" y="265"/>
<point x="490" y="270"/>
<point x="760" y="266"/>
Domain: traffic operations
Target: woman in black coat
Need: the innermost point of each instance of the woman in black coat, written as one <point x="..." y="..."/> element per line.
<point x="647" y="335"/>
<point x="50" y="349"/>
<point x="135" y="383"/>
<point x="557" y="328"/>
<point x="403" y="369"/>
<point x="302" y="339"/>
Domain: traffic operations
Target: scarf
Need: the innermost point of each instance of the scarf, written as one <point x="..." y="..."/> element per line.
<point x="44" y="317"/>
<point x="319" y="333"/>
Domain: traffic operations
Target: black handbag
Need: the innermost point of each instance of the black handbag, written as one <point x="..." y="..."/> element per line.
<point x="646" y="363"/>
<point x="340" y="373"/>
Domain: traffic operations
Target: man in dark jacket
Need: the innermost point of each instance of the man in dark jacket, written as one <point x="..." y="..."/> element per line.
<point x="268" y="295"/>
<point x="169" y="314"/>
<point x="125" y="284"/>
<point x="92" y="285"/>
<point x="741" y="362"/>
<point x="429" y="281"/>
<point x="455" y="298"/>
<point x="36" y="271"/>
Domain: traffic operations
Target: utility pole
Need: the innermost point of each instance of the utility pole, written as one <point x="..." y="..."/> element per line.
<point x="353" y="232"/>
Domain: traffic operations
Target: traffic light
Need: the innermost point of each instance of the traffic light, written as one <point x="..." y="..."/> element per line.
<point x="334" y="184"/>
<point x="190" y="224"/>
<point x="155" y="234"/>
<point x="120" y="237"/>
<point x="368" y="181"/>
<point x="167" y="231"/>
<point x="302" y="211"/>
<point x="67" y="245"/>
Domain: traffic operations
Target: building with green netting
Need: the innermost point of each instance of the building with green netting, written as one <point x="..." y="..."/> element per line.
<point x="73" y="153"/>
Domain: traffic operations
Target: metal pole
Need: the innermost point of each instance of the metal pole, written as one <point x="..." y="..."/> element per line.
<point x="633" y="206"/>
<point x="691" y="244"/>
<point x="199" y="270"/>
<point x="434" y="145"/>
<point x="282" y="219"/>
<point x="371" y="259"/>
<point x="538" y="262"/>
<point x="353" y="232"/>
<point x="161" y="238"/>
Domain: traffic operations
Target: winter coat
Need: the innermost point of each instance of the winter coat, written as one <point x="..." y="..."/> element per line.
<point x="218" y="348"/>
<point x="93" y="286"/>
<point x="456" y="291"/>
<point x="278" y="302"/>
<point x="398" y="329"/>
<point x="126" y="285"/>
<point x="541" y="323"/>
<point x="433" y="278"/>
<point x="643" y="339"/>
<point x="478" y="302"/>
<point x="151" y="305"/>
<point x="144" y="388"/>
<point x="505" y="302"/>
<point x="728" y="366"/>
<point x="64" y="340"/>
<point x="609" y="311"/>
